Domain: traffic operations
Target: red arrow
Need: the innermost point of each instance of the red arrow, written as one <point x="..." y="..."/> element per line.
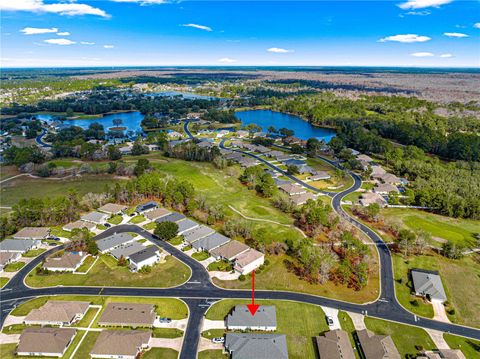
<point x="253" y="307"/>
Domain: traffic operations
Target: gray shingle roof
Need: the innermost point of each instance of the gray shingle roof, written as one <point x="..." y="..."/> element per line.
<point x="17" y="245"/>
<point x="210" y="242"/>
<point x="144" y="254"/>
<point x="197" y="233"/>
<point x="95" y="217"/>
<point x="256" y="346"/>
<point x="186" y="225"/>
<point x="428" y="283"/>
<point x="266" y="316"/>
<point x="113" y="241"/>
<point x="172" y="217"/>
<point x="127" y="249"/>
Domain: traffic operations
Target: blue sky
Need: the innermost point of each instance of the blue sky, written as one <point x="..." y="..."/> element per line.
<point x="44" y="33"/>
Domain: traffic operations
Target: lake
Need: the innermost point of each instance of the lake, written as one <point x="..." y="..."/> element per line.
<point x="303" y="129"/>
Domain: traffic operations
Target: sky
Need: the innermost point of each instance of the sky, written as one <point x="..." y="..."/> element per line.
<point x="71" y="33"/>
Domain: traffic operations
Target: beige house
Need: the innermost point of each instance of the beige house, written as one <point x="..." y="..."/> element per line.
<point x="128" y="315"/>
<point x="67" y="262"/>
<point x="299" y="199"/>
<point x="45" y="342"/>
<point x="156" y="213"/>
<point x="78" y="225"/>
<point x="229" y="251"/>
<point x="377" y="346"/>
<point x="334" y="344"/>
<point x="292" y="189"/>
<point x="385" y="188"/>
<point x="113" y="208"/>
<point x="443" y="354"/>
<point x="121" y="344"/>
<point x="7" y="258"/>
<point x="369" y="198"/>
<point x="32" y="233"/>
<point x="248" y="261"/>
<point x="57" y="312"/>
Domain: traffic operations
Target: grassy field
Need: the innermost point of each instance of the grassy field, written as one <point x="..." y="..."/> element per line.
<point x="86" y="264"/>
<point x="347" y="324"/>
<point x="33" y="252"/>
<point x="83" y="351"/>
<point x="150" y="226"/>
<point x="168" y="274"/>
<point x="165" y="307"/>
<point x="59" y="232"/>
<point x="300" y="322"/>
<point x="212" y="354"/>
<point x="443" y="228"/>
<point x="461" y="280"/>
<point x="200" y="256"/>
<point x="163" y="353"/>
<point x="13" y="267"/>
<point x="407" y="339"/>
<point x="115" y="219"/>
<point x="469" y="347"/>
<point x="276" y="276"/>
<point x="137" y="219"/>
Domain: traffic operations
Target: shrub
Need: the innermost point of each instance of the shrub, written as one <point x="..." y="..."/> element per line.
<point x="241" y="278"/>
<point x="414" y="303"/>
<point x="166" y="230"/>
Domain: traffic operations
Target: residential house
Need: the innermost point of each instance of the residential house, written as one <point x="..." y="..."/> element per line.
<point x="33" y="233"/>
<point x="95" y="217"/>
<point x="173" y="135"/>
<point x="305" y="169"/>
<point x="319" y="175"/>
<point x="364" y="158"/>
<point x="354" y="152"/>
<point x="385" y="188"/>
<point x="292" y="189"/>
<point x="127" y="249"/>
<point x="222" y="133"/>
<point x="229" y="251"/>
<point x="292" y="140"/>
<point x="205" y="144"/>
<point x="128" y="315"/>
<point x="78" y="224"/>
<point x="241" y="319"/>
<point x="145" y="207"/>
<point x="242" y="134"/>
<point x="156" y="213"/>
<point x="247" y="161"/>
<point x="126" y="150"/>
<point x="121" y="344"/>
<point x="172" y="217"/>
<point x="248" y="261"/>
<point x="109" y="243"/>
<point x="45" y="342"/>
<point x="67" y="262"/>
<point x="19" y="245"/>
<point x="377" y="171"/>
<point x="302" y="198"/>
<point x="428" y="284"/>
<point x="186" y="225"/>
<point x="210" y="242"/>
<point x="377" y="346"/>
<point x="294" y="162"/>
<point x="256" y="346"/>
<point x="334" y="344"/>
<point x="368" y="198"/>
<point x="443" y="354"/>
<point x="195" y="234"/>
<point x="113" y="208"/>
<point x="280" y="182"/>
<point x="7" y="258"/>
<point x="390" y="179"/>
<point x="57" y="312"/>
<point x="146" y="257"/>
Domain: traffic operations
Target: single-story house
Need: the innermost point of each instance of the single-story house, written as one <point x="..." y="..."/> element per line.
<point x="295" y="162"/>
<point x="57" y="312"/>
<point x="33" y="233"/>
<point x="292" y="140"/>
<point x="48" y="342"/>
<point x="247" y="161"/>
<point x="299" y="199"/>
<point x="68" y="262"/>
<point x="113" y="208"/>
<point x="186" y="225"/>
<point x="305" y="169"/>
<point x="385" y="188"/>
<point x="146" y="257"/>
<point x="172" y="217"/>
<point x="174" y="135"/>
<point x="210" y="242"/>
<point x="369" y="198"/>
<point x="443" y="354"/>
<point x="78" y="224"/>
<point x="334" y="344"/>
<point x="205" y="144"/>
<point x="248" y="261"/>
<point x="108" y="243"/>
<point x="240" y="318"/>
<point x="319" y="175"/>
<point x="120" y="344"/>
<point x="282" y="156"/>
<point x="390" y="179"/>
<point x="365" y="158"/>
<point x="280" y="182"/>
<point x="19" y="245"/>
<point x="7" y="258"/>
<point x="242" y="134"/>
<point x="128" y="315"/>
<point x="145" y="207"/>
<point x="95" y="217"/>
<point x="428" y="284"/>
<point x="377" y="346"/>
<point x="222" y="133"/>
<point x="377" y="171"/>
<point x="156" y="213"/>
<point x="127" y="249"/>
<point x="292" y="189"/>
<point x="229" y="251"/>
<point x="195" y="234"/>
<point x="256" y="346"/>
<point x="125" y="150"/>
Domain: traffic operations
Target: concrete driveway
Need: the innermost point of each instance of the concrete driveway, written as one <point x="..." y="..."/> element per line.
<point x="439" y="312"/>
<point x="331" y="312"/>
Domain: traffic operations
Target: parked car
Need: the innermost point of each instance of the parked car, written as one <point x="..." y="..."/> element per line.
<point x="329" y="321"/>
<point x="218" y="340"/>
<point x="53" y="238"/>
<point x="165" y="320"/>
<point x="108" y="225"/>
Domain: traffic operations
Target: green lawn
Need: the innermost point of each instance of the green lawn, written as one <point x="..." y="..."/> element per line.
<point x="16" y="328"/>
<point x="469" y="347"/>
<point x="347" y="324"/>
<point x="176" y="241"/>
<point x="212" y="354"/>
<point x="200" y="256"/>
<point x="213" y="333"/>
<point x="87" y="318"/>
<point x="150" y="226"/>
<point x="59" y="232"/>
<point x="163" y="353"/>
<point x="407" y="339"/>
<point x="83" y="351"/>
<point x="300" y="322"/>
<point x="461" y="280"/>
<point x="165" y="307"/>
<point x="222" y="266"/>
<point x="101" y="227"/>
<point x="117" y="219"/>
<point x="137" y="219"/>
<point x="13" y="267"/>
<point x="168" y="274"/>
<point x="167" y="333"/>
<point x="86" y="264"/>
<point x="3" y="281"/>
<point x="33" y="252"/>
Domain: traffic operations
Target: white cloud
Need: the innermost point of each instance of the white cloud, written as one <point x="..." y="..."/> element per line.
<point x="200" y="27"/>
<point x="143" y="2"/>
<point x="65" y="33"/>
<point x="455" y="34"/>
<point x="86" y="43"/>
<point x="445" y="56"/>
<point x="108" y="46"/>
<point x="422" y="54"/>
<point x="476" y="25"/>
<point x="62" y="42"/>
<point x="36" y="30"/>
<point x="70" y="9"/>
<point x="421" y="4"/>
<point x="227" y="60"/>
<point x="279" y="50"/>
<point x="407" y="38"/>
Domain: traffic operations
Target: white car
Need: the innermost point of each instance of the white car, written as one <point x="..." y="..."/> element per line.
<point x="330" y="321"/>
<point x="218" y="340"/>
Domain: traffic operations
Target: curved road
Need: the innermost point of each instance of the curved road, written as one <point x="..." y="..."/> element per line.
<point x="39" y="140"/>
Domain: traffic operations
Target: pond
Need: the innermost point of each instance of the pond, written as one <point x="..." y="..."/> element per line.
<point x="303" y="129"/>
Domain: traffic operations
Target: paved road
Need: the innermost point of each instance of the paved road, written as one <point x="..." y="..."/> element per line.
<point x="39" y="140"/>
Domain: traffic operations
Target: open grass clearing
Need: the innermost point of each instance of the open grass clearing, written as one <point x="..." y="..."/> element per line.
<point x="170" y="273"/>
<point x="298" y="321"/>
<point x="59" y="232"/>
<point x="469" y="347"/>
<point x="150" y="226"/>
